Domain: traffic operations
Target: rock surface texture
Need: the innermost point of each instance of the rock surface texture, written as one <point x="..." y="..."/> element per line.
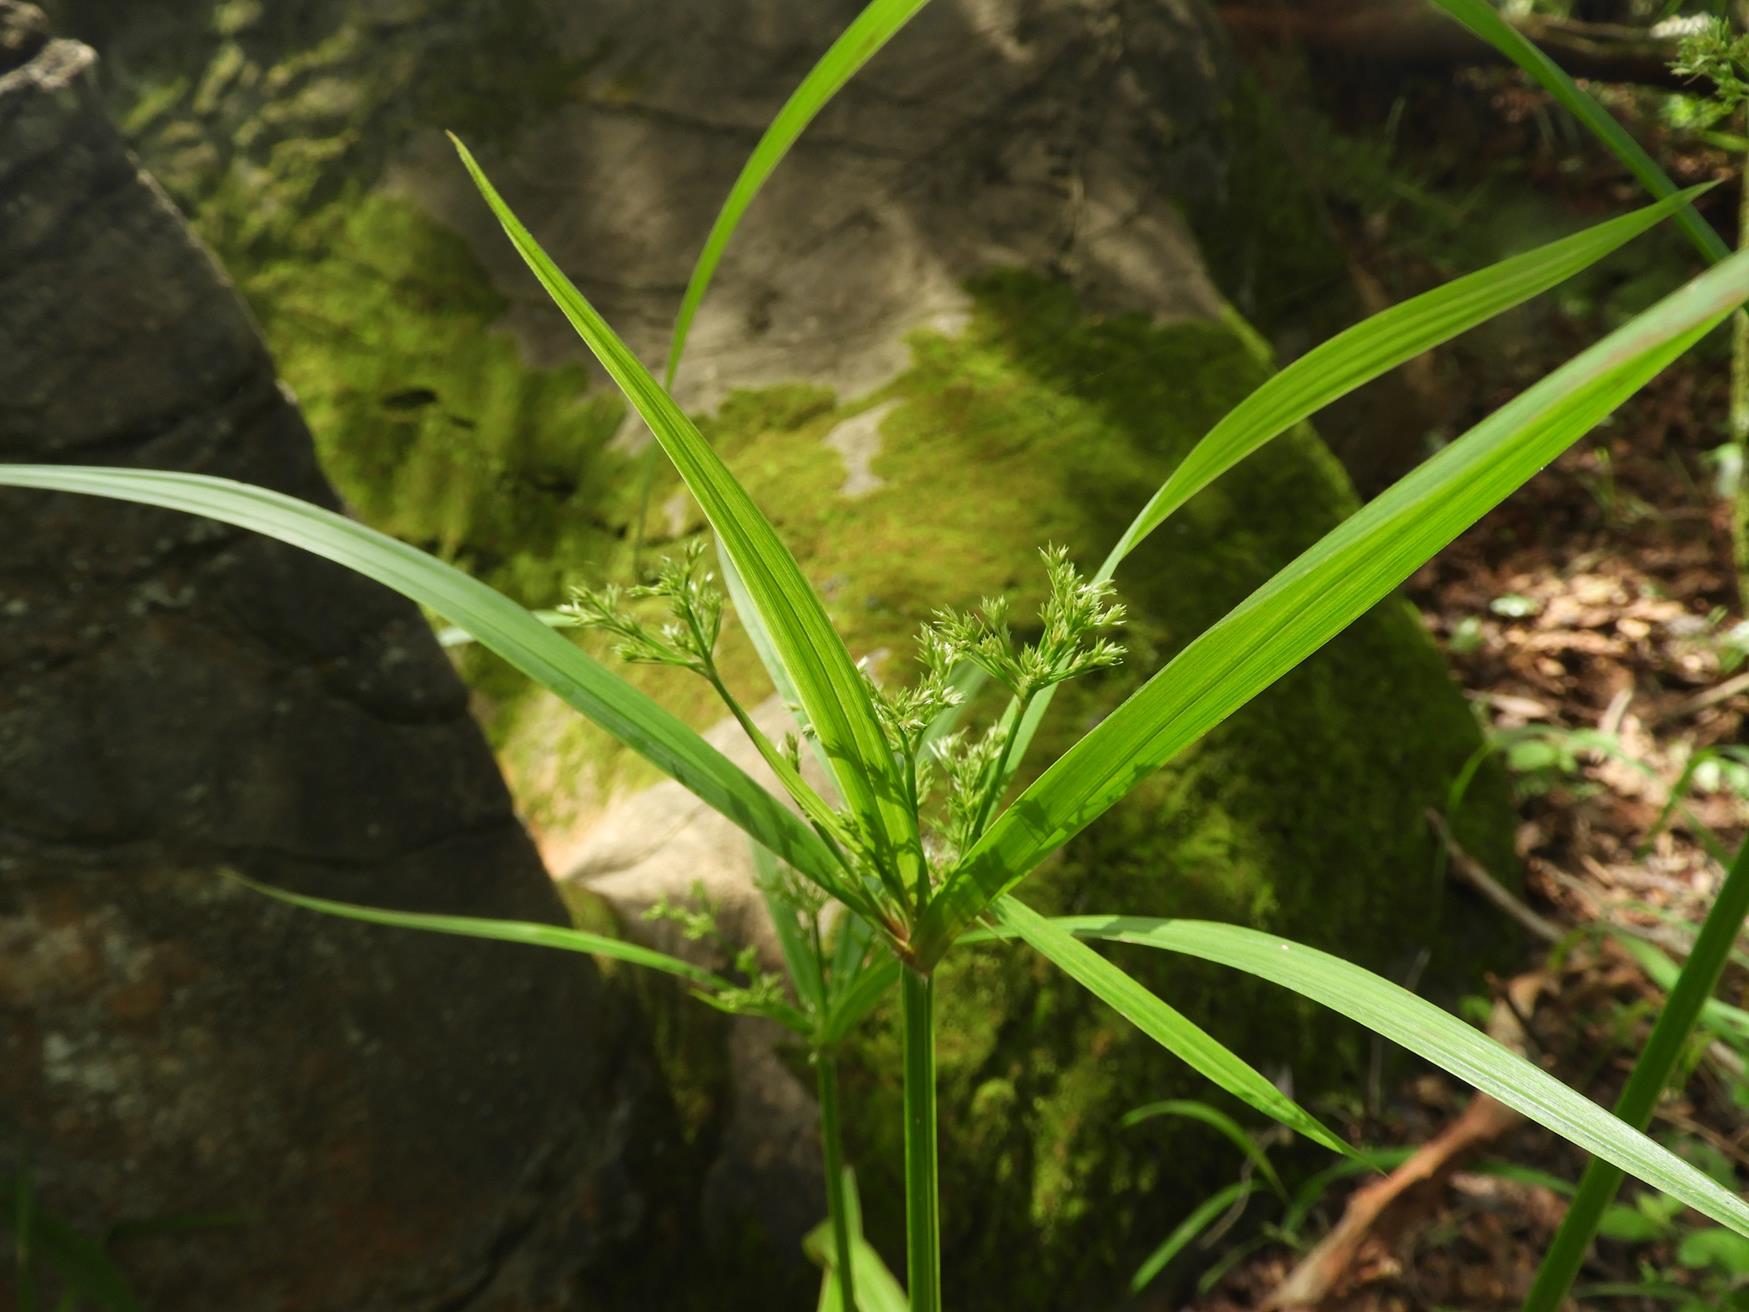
<point x="390" y="1120"/>
<point x="968" y="317"/>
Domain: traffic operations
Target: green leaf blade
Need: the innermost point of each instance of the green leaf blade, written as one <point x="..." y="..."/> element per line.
<point x="1432" y="1033"/>
<point x="1160" y="1022"/>
<point x="855" y="46"/>
<point x="826" y="679"/>
<point x="1218" y="1121"/>
<point x="528" y="933"/>
<point x="1350" y="360"/>
<point x="1201" y="1217"/>
<point x="1486" y="23"/>
<point x="1321" y="592"/>
<point x="494" y="619"/>
<point x="1377" y="345"/>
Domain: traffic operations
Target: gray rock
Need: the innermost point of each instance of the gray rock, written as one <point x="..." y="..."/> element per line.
<point x="392" y="1120"/>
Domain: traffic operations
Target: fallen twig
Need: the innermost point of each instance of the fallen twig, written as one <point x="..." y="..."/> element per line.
<point x="1388" y="1205"/>
<point x="1721" y="692"/>
<point x="1467" y="868"/>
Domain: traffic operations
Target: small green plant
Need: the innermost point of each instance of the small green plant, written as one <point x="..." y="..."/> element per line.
<point x="46" y="1248"/>
<point x="918" y="871"/>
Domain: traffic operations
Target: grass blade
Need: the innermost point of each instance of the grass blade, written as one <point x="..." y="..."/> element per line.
<point x="1694" y="988"/>
<point x="793" y="938"/>
<point x="1377" y="345"/>
<point x="826" y="680"/>
<point x="498" y="622"/>
<point x="851" y="1003"/>
<point x="1430" y="1032"/>
<point x="529" y="933"/>
<point x="1221" y="1123"/>
<point x="1352" y="359"/>
<point x="42" y="1240"/>
<point x="855" y="46"/>
<point x="1204" y="1215"/>
<point x="1321" y="592"/>
<point x="1484" y="21"/>
<point x="1165" y="1025"/>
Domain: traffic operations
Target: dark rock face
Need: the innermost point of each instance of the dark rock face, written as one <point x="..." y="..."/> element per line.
<point x="396" y="1120"/>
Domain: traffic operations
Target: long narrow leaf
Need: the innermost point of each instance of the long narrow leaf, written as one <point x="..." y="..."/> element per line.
<point x="1323" y="591"/>
<point x="1377" y="345"/>
<point x="826" y="680"/>
<point x="1216" y="1120"/>
<point x="799" y="955"/>
<point x="1485" y="22"/>
<point x="1201" y="1217"/>
<point x="1694" y="988"/>
<point x="855" y="999"/>
<point x="1351" y="359"/>
<point x="855" y="46"/>
<point x="498" y="622"/>
<point x="84" y="1268"/>
<point x="1430" y="1032"/>
<point x="1164" y="1024"/>
<point x="530" y="933"/>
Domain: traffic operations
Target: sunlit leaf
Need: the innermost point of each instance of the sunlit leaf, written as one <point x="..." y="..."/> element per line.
<point x="1484" y="21"/>
<point x="855" y="46"/>
<point x="828" y="684"/>
<point x="1321" y="592"/>
<point x="495" y="620"/>
<point x="1425" y="1029"/>
<point x="1164" y="1024"/>
<point x="1351" y="359"/>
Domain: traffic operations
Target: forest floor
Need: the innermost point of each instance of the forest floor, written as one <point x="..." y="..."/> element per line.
<point x="1594" y="624"/>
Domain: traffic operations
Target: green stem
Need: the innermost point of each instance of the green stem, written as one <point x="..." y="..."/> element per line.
<point x="998" y="783"/>
<point x="831" y="1133"/>
<point x="1694" y="986"/>
<point x="1740" y="401"/>
<point x="922" y="1185"/>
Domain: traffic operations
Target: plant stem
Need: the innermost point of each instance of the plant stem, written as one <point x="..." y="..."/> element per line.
<point x="922" y="1185"/>
<point x="1699" y="978"/>
<point x="1740" y="400"/>
<point x="831" y="1134"/>
<point x="998" y="775"/>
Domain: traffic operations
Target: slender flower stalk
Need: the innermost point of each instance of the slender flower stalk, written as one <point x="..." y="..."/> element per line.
<point x="922" y="1216"/>
<point x="837" y="1204"/>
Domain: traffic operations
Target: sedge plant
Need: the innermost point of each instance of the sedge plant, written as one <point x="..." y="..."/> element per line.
<point x="915" y="873"/>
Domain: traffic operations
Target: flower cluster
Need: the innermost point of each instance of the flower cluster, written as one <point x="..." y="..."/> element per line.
<point x="688" y="638"/>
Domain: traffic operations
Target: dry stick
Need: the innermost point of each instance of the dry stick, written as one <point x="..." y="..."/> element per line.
<point x="1383" y="1204"/>
<point x="1722" y="692"/>
<point x="1403" y="33"/>
<point x="1468" y="869"/>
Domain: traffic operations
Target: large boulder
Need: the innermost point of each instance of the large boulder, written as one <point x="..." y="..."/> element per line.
<point x="968" y="317"/>
<point x="386" y="1119"/>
